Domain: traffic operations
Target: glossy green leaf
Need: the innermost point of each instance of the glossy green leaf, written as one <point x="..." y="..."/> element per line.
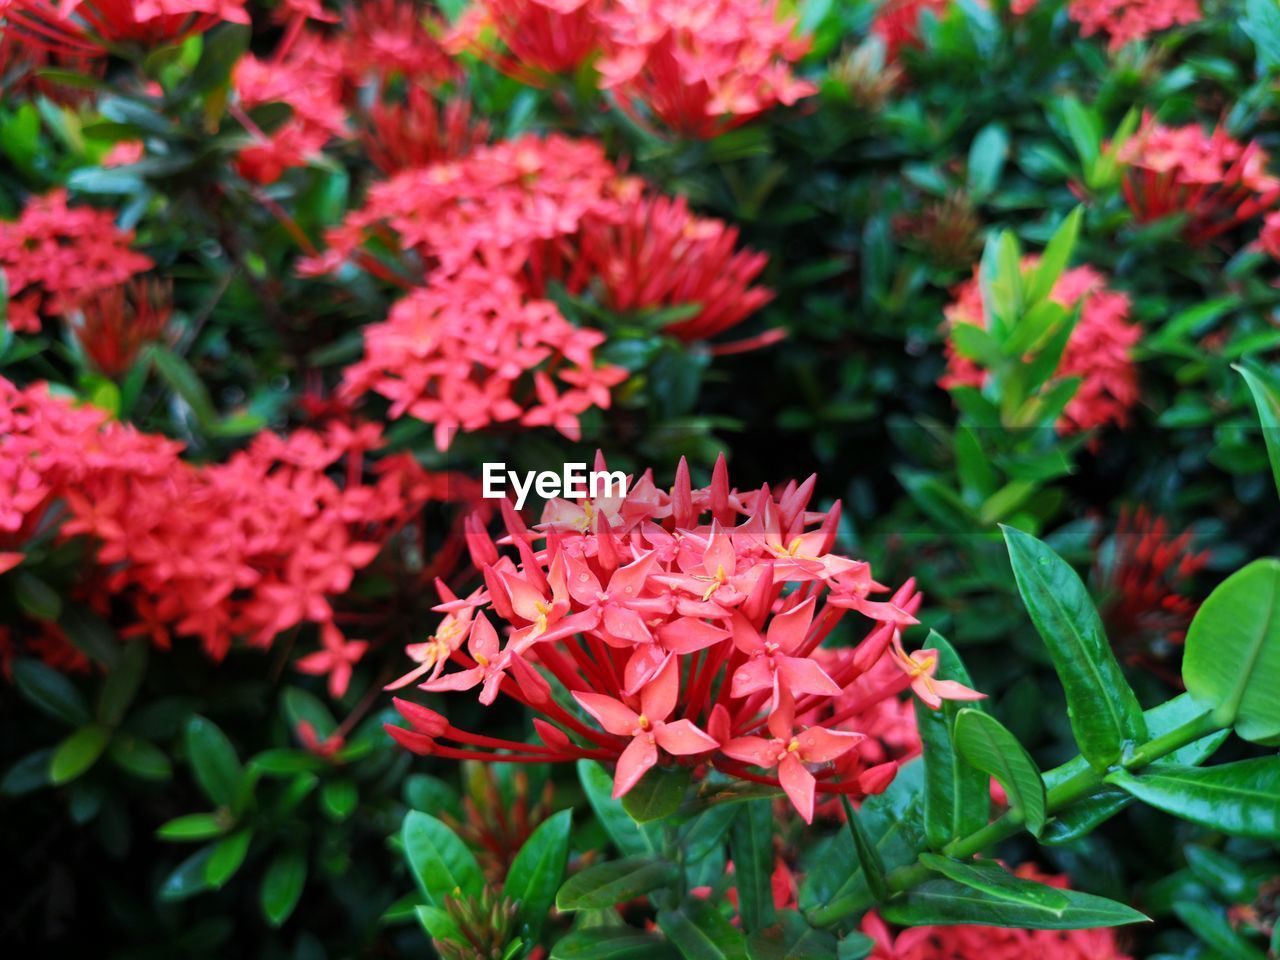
<point x="986" y="745"/>
<point x="1104" y="712"/>
<point x="537" y="870"/>
<point x="611" y="943"/>
<point x="868" y="854"/>
<point x="123" y="680"/>
<point x="1056" y="256"/>
<point x="854" y="946"/>
<point x="438" y="923"/>
<point x="1232" y="657"/>
<point x="440" y="861"/>
<point x="50" y="692"/>
<point x="792" y="939"/>
<point x="339" y="798"/>
<point x="227" y="857"/>
<point x="658" y="794"/>
<point x="192" y="826"/>
<point x="1211" y="925"/>
<point x="29" y="774"/>
<point x="751" y="847"/>
<point x="993" y="879"/>
<point x="616" y="881"/>
<point x="282" y="885"/>
<point x="946" y="903"/>
<point x="700" y="932"/>
<point x="188" y="878"/>
<point x="76" y="754"/>
<point x="957" y="799"/>
<point x="632" y="839"/>
<point x="1261" y="22"/>
<point x="987" y="156"/>
<point x="1266" y="397"/>
<point x="214" y="762"/>
<point x="1242" y="798"/>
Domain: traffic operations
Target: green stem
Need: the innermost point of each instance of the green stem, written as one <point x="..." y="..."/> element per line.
<point x="1071" y="790"/>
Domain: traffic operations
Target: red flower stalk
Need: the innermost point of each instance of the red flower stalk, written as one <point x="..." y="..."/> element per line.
<point x="540" y="36"/>
<point x="966" y="942"/>
<point x="421" y="131"/>
<point x="1215" y="180"/>
<point x="1145" y="577"/>
<point x="701" y="69"/>
<point x="54" y="256"/>
<point x="468" y="351"/>
<point x="94" y="27"/>
<point x="1123" y="21"/>
<point x="668" y="619"/>
<point x="897" y="23"/>
<point x="1099" y="351"/>
<point x="113" y="325"/>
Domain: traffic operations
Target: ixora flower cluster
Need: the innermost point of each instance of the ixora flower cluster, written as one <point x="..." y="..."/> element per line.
<point x="477" y="342"/>
<point x="56" y="257"/>
<point x="687" y="627"/>
<point x="701" y="69"/>
<point x="248" y="548"/>
<point x="92" y="28"/>
<point x="1099" y="350"/>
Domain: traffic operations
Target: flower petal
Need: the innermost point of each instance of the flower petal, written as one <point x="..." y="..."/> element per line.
<point x="819" y="745"/>
<point x="640" y="755"/>
<point x="756" y="751"/>
<point x="798" y="784"/>
<point x="789" y="629"/>
<point x="683" y="738"/>
<point x="615" y="717"/>
<point x="802" y="675"/>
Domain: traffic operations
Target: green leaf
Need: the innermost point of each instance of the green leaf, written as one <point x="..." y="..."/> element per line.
<point x="123" y="680"/>
<point x="439" y="860"/>
<point x="987" y="156"/>
<point x="658" y="794"/>
<point x="700" y="932"/>
<point x="1232" y="656"/>
<point x="1262" y="23"/>
<point x="188" y="878"/>
<point x="854" y="946"/>
<point x="537" y="870"/>
<point x="957" y="797"/>
<point x="993" y="879"/>
<point x="92" y="635"/>
<point x="868" y="856"/>
<point x="223" y="47"/>
<point x="751" y="847"/>
<point x="192" y="826"/>
<point x="29" y="774"/>
<point x="1104" y="712"/>
<point x="227" y="857"/>
<point x="177" y="373"/>
<point x="50" y="692"/>
<point x="37" y="599"/>
<point x="606" y="884"/>
<point x="282" y="886"/>
<point x="947" y="903"/>
<point x="1056" y="256"/>
<point x="1266" y="397"/>
<point x="631" y="838"/>
<point x="438" y="923"/>
<point x="76" y="754"/>
<point x="339" y="799"/>
<point x="1211" y="925"/>
<point x="792" y="939"/>
<point x="985" y="743"/>
<point x="214" y="761"/>
<point x="139" y="757"/>
<point x="1242" y="798"/>
<point x="610" y="943"/>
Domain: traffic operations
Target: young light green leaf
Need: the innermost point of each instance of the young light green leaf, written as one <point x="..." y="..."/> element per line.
<point x="616" y="881"/>
<point x="946" y="903"/>
<point x="987" y="746"/>
<point x="987" y="156"/>
<point x="76" y="754"/>
<point x="227" y="856"/>
<point x="192" y="826"/>
<point x="1242" y="798"/>
<point x="1103" y="710"/>
<point x="1056" y="256"/>
<point x="536" y="871"/>
<point x="1232" y="657"/>
<point x="439" y="860"/>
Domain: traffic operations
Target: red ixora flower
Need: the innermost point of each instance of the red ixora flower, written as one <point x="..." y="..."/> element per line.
<point x="644" y="610"/>
<point x="54" y="256"/>
<point x="705" y="68"/>
<point x="897" y="23"/>
<point x="91" y="27"/>
<point x="1144" y="577"/>
<point x="540" y="36"/>
<point x="1124" y="21"/>
<point x="1099" y="351"/>
<point x="420" y="131"/>
<point x="966" y="942"/>
<point x="1214" y="179"/>
<point x="113" y="325"/>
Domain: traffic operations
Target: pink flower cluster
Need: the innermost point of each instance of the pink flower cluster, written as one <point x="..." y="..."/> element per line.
<point x="1124" y="21"/>
<point x="92" y="27"/>
<point x="469" y="350"/>
<point x="245" y="549"/>
<point x="1099" y="351"/>
<point x="686" y="627"/>
<point x="477" y="343"/>
<point x="55" y="256"/>
<point x="542" y="36"/>
<point x="1214" y="179"/>
<point x="897" y="23"/>
<point x="993" y="943"/>
<point x="702" y="68"/>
